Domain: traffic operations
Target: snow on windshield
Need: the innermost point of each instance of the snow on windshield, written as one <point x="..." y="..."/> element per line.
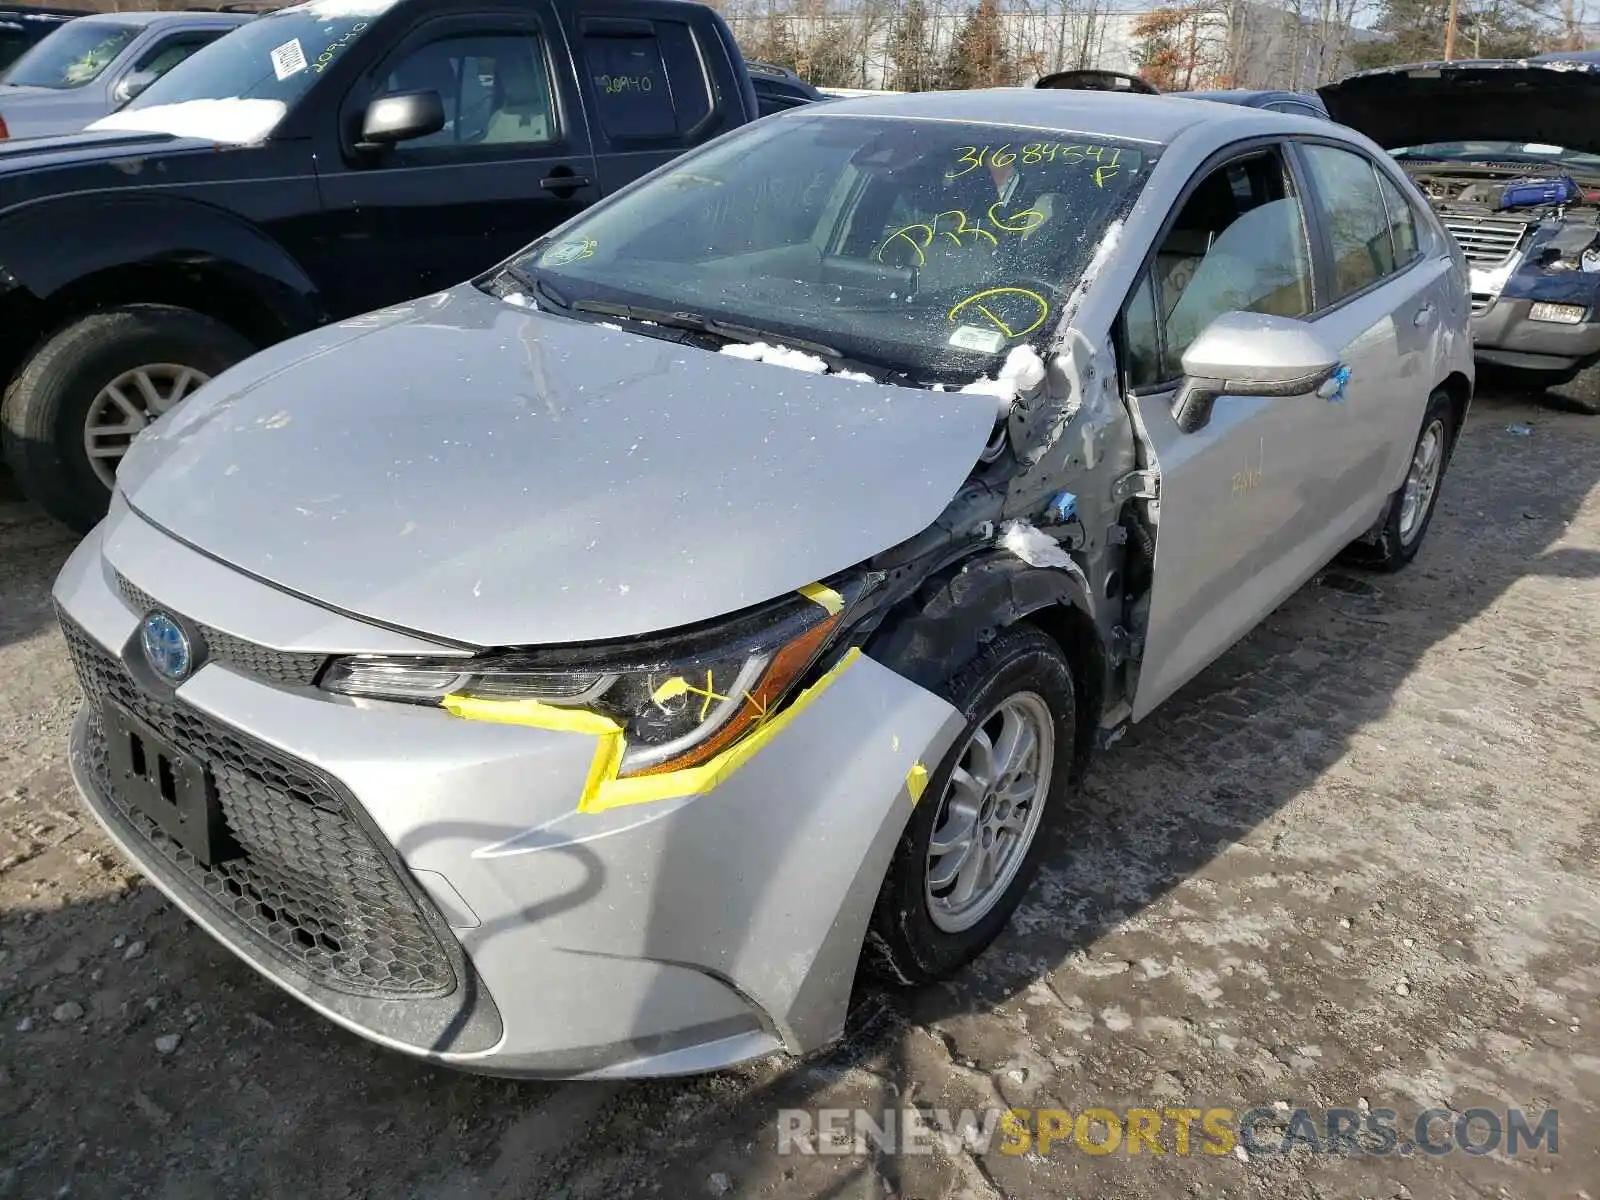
<point x="238" y="89"/>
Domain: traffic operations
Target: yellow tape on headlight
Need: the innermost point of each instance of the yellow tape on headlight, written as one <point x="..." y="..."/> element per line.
<point x="604" y="789"/>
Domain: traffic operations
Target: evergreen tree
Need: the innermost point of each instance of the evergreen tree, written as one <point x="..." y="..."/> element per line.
<point x="978" y="56"/>
<point x="1413" y="31"/>
<point x="911" y="51"/>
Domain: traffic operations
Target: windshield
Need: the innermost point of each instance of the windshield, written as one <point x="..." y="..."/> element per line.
<point x="1517" y="153"/>
<point x="924" y="247"/>
<point x="72" y="56"/>
<point x="240" y="86"/>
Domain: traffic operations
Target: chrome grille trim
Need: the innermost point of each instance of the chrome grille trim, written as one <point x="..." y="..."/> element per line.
<point x="1486" y="241"/>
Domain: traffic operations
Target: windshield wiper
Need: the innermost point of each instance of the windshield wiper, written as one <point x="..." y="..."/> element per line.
<point x="697" y="323"/>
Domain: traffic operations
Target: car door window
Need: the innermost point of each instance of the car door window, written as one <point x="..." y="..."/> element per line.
<point x="170" y="51"/>
<point x="494" y="87"/>
<point x="648" y="77"/>
<point x="1238" y="243"/>
<point x="1402" y="221"/>
<point x="1351" y="205"/>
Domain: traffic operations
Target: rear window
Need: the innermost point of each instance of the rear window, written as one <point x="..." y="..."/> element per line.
<point x="649" y="82"/>
<point x="73" y="55"/>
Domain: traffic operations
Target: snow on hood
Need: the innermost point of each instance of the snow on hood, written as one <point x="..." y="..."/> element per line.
<point x="234" y="122"/>
<point x="1511" y="100"/>
<point x="520" y="478"/>
<point x="334" y="10"/>
<point x="786" y="356"/>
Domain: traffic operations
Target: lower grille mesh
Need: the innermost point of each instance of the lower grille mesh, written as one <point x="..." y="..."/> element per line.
<point x="310" y="886"/>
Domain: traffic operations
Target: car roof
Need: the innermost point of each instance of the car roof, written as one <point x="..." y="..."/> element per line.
<point x="1252" y="96"/>
<point x="1134" y="116"/>
<point x="152" y="17"/>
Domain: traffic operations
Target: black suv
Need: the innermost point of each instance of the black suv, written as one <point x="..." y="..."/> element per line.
<point x="321" y="161"/>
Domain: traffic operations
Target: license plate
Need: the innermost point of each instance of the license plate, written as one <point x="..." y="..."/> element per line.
<point x="1561" y="314"/>
<point x="173" y="789"/>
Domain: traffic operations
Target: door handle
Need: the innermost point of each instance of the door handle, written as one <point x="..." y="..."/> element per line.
<point x="561" y="182"/>
<point x="1424" y="315"/>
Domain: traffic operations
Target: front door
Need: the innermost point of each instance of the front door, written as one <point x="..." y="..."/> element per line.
<point x="512" y="162"/>
<point x="1241" y="518"/>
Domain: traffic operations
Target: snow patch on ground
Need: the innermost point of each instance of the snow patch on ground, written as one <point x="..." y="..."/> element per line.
<point x="1033" y="546"/>
<point x="778" y="356"/>
<point x="1022" y="371"/>
<point x="234" y="121"/>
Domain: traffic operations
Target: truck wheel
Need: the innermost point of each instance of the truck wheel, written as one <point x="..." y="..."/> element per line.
<point x="1581" y="393"/>
<point x="77" y="404"/>
<point x="972" y="845"/>
<point x="1410" y="510"/>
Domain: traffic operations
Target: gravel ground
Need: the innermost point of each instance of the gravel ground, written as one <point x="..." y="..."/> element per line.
<point x="1354" y="864"/>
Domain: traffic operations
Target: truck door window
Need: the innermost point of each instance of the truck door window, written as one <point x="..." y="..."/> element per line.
<point x="495" y="90"/>
<point x="169" y="52"/>
<point x="630" y="86"/>
<point x="1353" y="213"/>
<point x="1237" y="244"/>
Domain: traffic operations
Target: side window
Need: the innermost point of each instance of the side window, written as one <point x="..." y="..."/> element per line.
<point x="169" y="52"/>
<point x="1402" y="221"/>
<point x="1357" y="222"/>
<point x="630" y="84"/>
<point x="1237" y="244"/>
<point x="495" y="90"/>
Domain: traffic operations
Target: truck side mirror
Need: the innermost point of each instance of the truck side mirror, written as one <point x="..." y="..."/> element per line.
<point x="400" y="117"/>
<point x="132" y="84"/>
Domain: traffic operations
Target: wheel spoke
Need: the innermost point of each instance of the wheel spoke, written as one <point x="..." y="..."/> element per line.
<point x="1015" y="746"/>
<point x="129" y="408"/>
<point x="955" y="832"/>
<point x="981" y="758"/>
<point x="147" y="389"/>
<point x="970" y="877"/>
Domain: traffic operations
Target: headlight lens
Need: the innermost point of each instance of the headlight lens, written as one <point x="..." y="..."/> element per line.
<point x="679" y="701"/>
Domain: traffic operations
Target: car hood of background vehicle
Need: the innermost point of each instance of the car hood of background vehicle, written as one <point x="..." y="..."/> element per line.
<point x="1489" y="100"/>
<point x="494" y="476"/>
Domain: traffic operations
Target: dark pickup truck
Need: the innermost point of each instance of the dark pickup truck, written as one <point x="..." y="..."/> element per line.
<point x="323" y="160"/>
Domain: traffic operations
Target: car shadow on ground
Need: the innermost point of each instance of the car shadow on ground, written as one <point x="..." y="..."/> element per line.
<point x="261" y="1096"/>
<point x="32" y="550"/>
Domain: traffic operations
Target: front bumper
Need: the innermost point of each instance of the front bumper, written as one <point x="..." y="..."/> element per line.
<point x="473" y="916"/>
<point x="1503" y="334"/>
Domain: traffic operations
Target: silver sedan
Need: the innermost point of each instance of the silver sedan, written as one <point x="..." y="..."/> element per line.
<point x="576" y="671"/>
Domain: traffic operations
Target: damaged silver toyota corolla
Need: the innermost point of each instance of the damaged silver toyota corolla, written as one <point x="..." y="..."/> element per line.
<point x="572" y="672"/>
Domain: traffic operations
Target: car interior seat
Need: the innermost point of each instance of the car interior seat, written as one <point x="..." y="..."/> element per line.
<point x="521" y="107"/>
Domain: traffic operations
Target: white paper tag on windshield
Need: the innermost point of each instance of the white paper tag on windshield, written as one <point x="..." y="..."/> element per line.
<point x="289" y="59"/>
<point x="1534" y="148"/>
<point x="975" y="337"/>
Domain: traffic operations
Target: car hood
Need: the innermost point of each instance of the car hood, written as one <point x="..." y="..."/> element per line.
<point x="486" y="474"/>
<point x="1491" y="100"/>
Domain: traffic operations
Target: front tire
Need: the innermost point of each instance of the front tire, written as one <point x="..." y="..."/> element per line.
<point x="71" y="413"/>
<point x="972" y="845"/>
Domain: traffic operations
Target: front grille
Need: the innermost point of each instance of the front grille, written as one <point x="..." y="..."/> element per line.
<point x="276" y="666"/>
<point x="1480" y="303"/>
<point x="311" y="886"/>
<point x="1486" y="241"/>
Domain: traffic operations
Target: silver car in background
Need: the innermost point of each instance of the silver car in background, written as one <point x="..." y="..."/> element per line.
<point x="94" y="65"/>
<point x="573" y="672"/>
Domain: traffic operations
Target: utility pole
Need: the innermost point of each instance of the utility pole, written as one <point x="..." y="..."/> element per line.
<point x="1450" y="34"/>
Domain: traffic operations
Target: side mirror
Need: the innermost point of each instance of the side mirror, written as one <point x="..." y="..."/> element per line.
<point x="1250" y="354"/>
<point x="132" y="84"/>
<point x="400" y="118"/>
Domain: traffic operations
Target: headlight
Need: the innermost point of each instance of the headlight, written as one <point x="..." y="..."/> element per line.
<point x="677" y="701"/>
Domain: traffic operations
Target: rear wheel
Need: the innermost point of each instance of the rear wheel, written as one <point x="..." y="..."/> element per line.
<point x="973" y="843"/>
<point x="1410" y="509"/>
<point x="78" y="403"/>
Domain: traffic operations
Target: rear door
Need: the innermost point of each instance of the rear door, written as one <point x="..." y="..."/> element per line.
<point x="1241" y="519"/>
<point x="512" y="162"/>
<point x="1384" y="307"/>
